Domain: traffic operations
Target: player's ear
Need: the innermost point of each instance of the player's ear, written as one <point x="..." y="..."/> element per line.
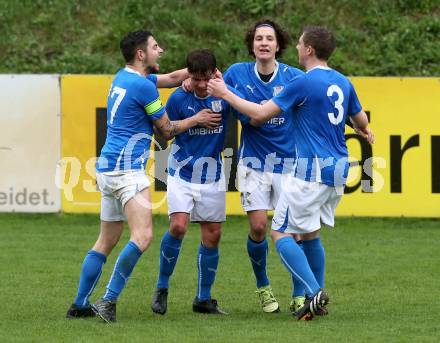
<point x="139" y="54"/>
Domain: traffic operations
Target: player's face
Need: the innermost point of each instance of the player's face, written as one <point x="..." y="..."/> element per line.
<point x="152" y="53"/>
<point x="265" y="43"/>
<point x="302" y="50"/>
<point x="200" y="83"/>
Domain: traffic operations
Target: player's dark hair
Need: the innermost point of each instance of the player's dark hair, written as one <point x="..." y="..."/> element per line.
<point x="201" y="62"/>
<point x="282" y="36"/>
<point x="132" y="42"/>
<point x="321" y="39"/>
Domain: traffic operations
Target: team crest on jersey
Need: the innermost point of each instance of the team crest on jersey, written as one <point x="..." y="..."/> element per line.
<point x="216" y="106"/>
<point x="277" y="90"/>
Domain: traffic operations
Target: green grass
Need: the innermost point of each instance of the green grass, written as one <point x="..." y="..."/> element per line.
<point x="382" y="275"/>
<point x="375" y="38"/>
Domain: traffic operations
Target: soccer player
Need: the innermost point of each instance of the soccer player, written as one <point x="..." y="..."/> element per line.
<point x="133" y="108"/>
<point x="266" y="149"/>
<point x="196" y="188"/>
<point x="320" y="99"/>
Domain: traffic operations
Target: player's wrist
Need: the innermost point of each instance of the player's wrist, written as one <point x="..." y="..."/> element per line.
<point x="228" y="95"/>
<point x="196" y="120"/>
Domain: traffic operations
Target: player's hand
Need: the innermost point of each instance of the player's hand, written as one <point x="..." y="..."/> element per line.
<point x="217" y="88"/>
<point x="366" y="133"/>
<point x="208" y="119"/>
<point x="187" y="86"/>
<point x="218" y="74"/>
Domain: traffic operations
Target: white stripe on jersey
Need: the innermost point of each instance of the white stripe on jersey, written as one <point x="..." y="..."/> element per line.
<point x="273" y="76"/>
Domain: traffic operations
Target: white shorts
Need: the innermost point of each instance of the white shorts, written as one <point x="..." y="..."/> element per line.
<point x="304" y="205"/>
<point x="258" y="190"/>
<point x="117" y="188"/>
<point x="204" y="202"/>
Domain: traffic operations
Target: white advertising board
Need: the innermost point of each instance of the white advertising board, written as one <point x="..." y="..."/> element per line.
<point x="29" y="143"/>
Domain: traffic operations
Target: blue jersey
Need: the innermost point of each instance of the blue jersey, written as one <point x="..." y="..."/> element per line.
<point x="133" y="103"/>
<point x="321" y="100"/>
<point x="269" y="146"/>
<point x="196" y="153"/>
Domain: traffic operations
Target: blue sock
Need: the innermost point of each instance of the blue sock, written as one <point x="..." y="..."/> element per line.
<point x="207" y="262"/>
<point x="298" y="288"/>
<point x="125" y="263"/>
<point x="257" y="254"/>
<point x="169" y="253"/>
<point x="296" y="263"/>
<point x="90" y="273"/>
<point x="315" y="254"/>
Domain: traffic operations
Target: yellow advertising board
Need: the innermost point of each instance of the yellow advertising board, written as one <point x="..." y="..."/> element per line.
<point x="400" y="173"/>
<point x="84" y="101"/>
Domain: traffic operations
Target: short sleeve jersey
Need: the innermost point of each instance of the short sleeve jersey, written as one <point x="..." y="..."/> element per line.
<point x="133" y="103"/>
<point x="196" y="153"/>
<point x="271" y="146"/>
<point x="321" y="100"/>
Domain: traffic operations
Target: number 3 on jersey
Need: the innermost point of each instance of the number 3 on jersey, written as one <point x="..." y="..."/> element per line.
<point x="338" y="104"/>
<point x="121" y="93"/>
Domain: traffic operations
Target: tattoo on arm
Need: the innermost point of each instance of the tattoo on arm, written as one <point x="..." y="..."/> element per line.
<point x="174" y="127"/>
<point x="170" y="128"/>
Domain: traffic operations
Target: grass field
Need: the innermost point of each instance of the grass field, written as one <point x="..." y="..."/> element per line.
<point x="375" y="38"/>
<point x="382" y="276"/>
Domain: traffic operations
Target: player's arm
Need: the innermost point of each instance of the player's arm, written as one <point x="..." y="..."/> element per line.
<point x="348" y="122"/>
<point x="360" y="125"/>
<point x="169" y="128"/>
<point x="255" y="122"/>
<point x="260" y="113"/>
<point x="228" y="78"/>
<point x="173" y="79"/>
<point x="358" y="117"/>
<point x="187" y="84"/>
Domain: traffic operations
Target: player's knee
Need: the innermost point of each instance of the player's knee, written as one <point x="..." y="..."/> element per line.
<point x="216" y="235"/>
<point x="178" y="228"/>
<point x="258" y="229"/>
<point x="212" y="236"/>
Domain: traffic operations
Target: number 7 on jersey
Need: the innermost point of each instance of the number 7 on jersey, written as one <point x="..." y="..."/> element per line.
<point x="121" y="93"/>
